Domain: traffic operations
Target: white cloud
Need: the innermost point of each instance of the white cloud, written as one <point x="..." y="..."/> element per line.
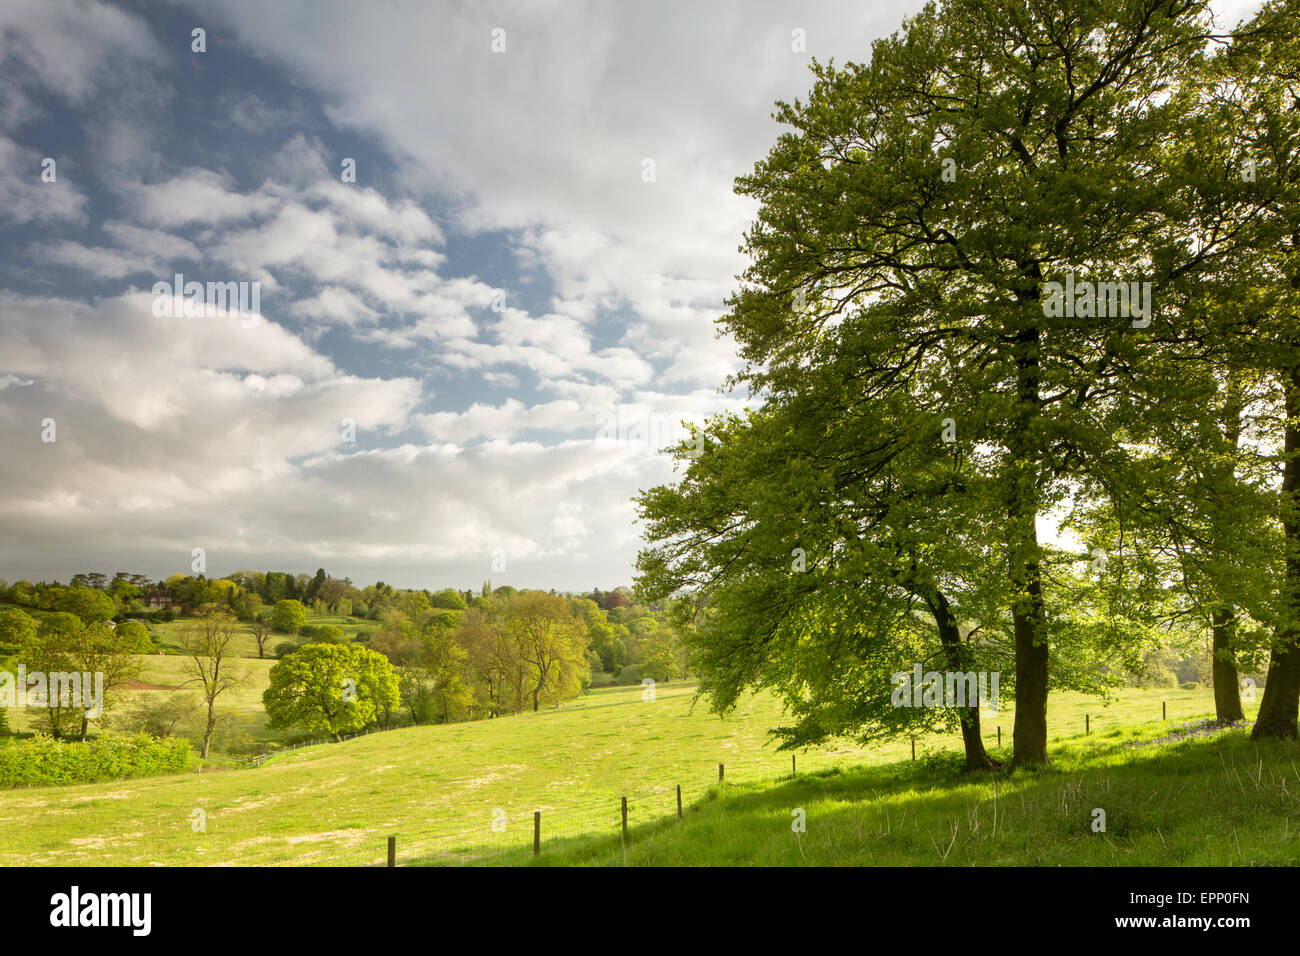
<point x="26" y="198"/>
<point x="196" y="195"/>
<point x="104" y="263"/>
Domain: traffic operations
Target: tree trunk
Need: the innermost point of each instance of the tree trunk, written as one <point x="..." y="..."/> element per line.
<point x="1281" y="701"/>
<point x="1030" y="732"/>
<point x="977" y="757"/>
<point x="207" y="733"/>
<point x="1227" y="683"/>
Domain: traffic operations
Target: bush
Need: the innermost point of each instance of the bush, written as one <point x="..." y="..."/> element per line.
<point x="630" y="674"/>
<point x="285" y="647"/>
<point x="43" y="761"/>
<point x="1189" y="685"/>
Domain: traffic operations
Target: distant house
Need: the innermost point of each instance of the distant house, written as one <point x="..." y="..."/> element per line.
<point x="159" y="600"/>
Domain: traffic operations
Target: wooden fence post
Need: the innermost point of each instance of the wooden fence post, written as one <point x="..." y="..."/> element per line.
<point x="999" y="735"/>
<point x="720" y="773"/>
<point x="913" y="748"/>
<point x="1163" y="713"/>
<point x="537" y="832"/>
<point x="625" y="818"/>
<point x="793" y="771"/>
<point x="1087" y="726"/>
<point x="679" y="800"/>
<point x="392" y="851"/>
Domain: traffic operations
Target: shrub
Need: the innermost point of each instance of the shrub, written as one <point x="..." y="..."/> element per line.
<point x="43" y="761"/>
<point x="630" y="674"/>
<point x="1189" y="685"/>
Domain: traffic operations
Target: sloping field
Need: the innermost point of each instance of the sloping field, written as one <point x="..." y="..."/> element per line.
<point x="441" y="789"/>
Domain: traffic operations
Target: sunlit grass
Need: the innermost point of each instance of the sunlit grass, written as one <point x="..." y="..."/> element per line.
<point x="338" y="803"/>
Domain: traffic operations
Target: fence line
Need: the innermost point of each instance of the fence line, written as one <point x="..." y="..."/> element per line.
<point x="617" y="810"/>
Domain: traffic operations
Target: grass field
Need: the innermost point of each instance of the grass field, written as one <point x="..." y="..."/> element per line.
<point x="1217" y="801"/>
<point x="438" y="788"/>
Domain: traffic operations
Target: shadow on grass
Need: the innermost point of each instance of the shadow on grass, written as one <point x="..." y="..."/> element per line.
<point x="1222" y="800"/>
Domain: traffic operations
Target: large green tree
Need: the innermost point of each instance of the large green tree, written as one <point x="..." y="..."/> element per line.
<point x="1260" y="326"/>
<point x="929" y="197"/>
<point x="331" y="688"/>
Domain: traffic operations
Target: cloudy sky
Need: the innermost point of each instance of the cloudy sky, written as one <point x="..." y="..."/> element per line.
<point x="513" y="303"/>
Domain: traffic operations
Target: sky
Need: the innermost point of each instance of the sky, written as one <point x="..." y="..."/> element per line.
<point x="466" y="358"/>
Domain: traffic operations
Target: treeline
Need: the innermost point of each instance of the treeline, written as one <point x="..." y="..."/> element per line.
<point x="512" y="651"/>
<point x="454" y="655"/>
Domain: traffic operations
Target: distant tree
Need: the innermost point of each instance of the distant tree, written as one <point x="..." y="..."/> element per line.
<point x="17" y="628"/>
<point x="260" y="628"/>
<point x="314" y="587"/>
<point x="47" y="650"/>
<point x="136" y="637"/>
<point x="551" y="642"/>
<point x="62" y="644"/>
<point x="102" y="650"/>
<point x="334" y="688"/>
<point x="246" y="604"/>
<point x="207" y="642"/>
<point x="601" y="635"/>
<point x="449" y="599"/>
<point x="414" y="604"/>
<point x="89" y="604"/>
<point x="329" y="634"/>
<point x="159" y="714"/>
<point x="289" y="616"/>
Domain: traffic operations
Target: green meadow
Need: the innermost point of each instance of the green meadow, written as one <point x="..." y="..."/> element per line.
<point x="467" y="792"/>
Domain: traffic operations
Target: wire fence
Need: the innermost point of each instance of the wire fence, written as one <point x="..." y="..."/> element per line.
<point x="497" y="833"/>
<point x="493" y="832"/>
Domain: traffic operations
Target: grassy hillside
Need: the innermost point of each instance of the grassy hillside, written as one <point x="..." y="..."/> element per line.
<point x="1205" y="801"/>
<point x="438" y="788"/>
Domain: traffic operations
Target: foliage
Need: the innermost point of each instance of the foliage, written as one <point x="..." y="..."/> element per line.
<point x="331" y="688"/>
<point x="45" y="761"/>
